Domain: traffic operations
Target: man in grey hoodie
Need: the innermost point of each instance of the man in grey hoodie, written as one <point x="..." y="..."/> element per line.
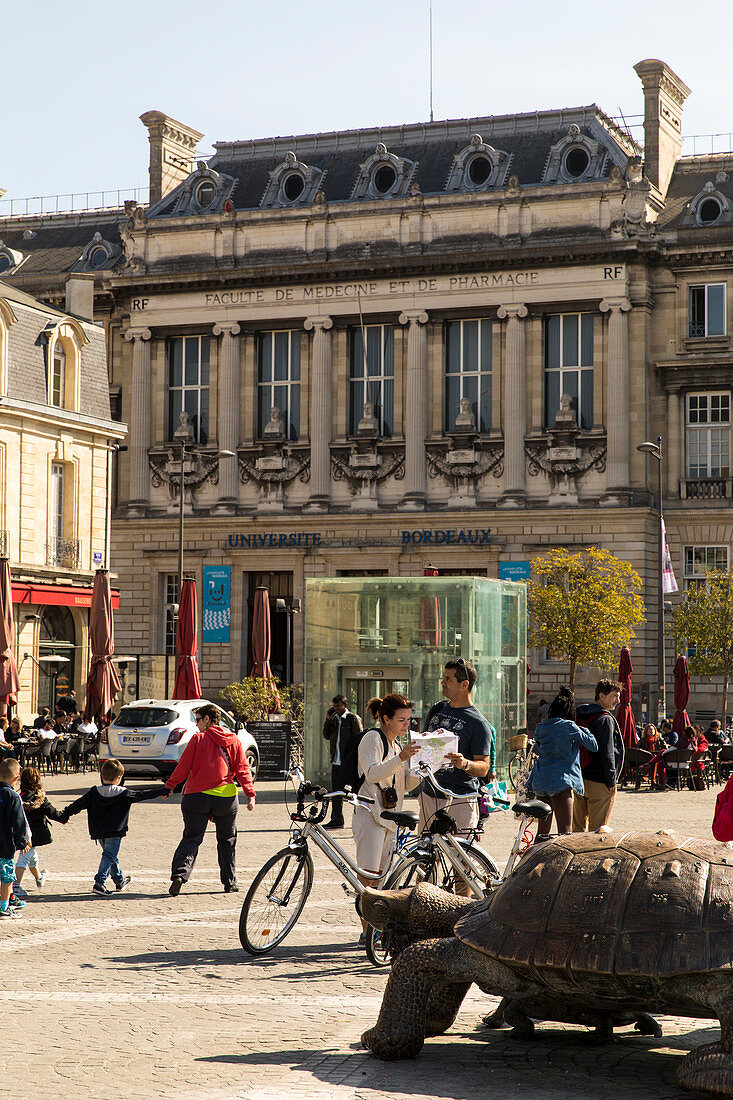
<point x="601" y="769"/>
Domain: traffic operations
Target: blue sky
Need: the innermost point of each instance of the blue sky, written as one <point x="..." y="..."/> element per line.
<point x="78" y="75"/>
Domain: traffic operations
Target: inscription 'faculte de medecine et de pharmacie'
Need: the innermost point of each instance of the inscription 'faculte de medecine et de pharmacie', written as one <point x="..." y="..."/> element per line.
<point x="496" y="280"/>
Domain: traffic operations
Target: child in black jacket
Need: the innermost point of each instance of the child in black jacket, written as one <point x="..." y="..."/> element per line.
<point x="38" y="812"/>
<point x="108" y="810"/>
<point x="14" y="833"/>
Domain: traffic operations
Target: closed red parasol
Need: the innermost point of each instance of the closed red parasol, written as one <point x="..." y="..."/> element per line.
<point x="624" y="713"/>
<point x="9" y="679"/>
<point x="187" y="685"/>
<point x="681" y="695"/>
<point x="261" y="642"/>
<point x="103" y="685"/>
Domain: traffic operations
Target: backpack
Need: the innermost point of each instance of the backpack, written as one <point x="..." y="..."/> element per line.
<point x="350" y="774"/>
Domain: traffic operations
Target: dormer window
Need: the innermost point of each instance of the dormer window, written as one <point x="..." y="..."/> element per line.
<point x="478" y="167"/>
<point x="576" y="161"/>
<point x="384" y="175"/>
<point x="710" y="206"/>
<point x="58" y="376"/>
<point x="709" y="211"/>
<point x="384" y="179"/>
<point x="205" y="194"/>
<point x="575" y="157"/>
<point x="293" y="186"/>
<point x="9" y="259"/>
<point x="292" y="183"/>
<point x="98" y="254"/>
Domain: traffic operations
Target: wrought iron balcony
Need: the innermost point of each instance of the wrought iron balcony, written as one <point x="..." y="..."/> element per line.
<point x="63" y="553"/>
<point x="707" y="488"/>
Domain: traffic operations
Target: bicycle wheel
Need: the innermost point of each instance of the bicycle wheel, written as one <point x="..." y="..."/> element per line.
<point x="516" y="764"/>
<point x="412" y="871"/>
<point x="446" y="876"/>
<point x="377" y="946"/>
<point x="275" y="900"/>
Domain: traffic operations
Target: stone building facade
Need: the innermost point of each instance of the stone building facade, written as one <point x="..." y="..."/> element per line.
<point x="56" y="435"/>
<point x="431" y="344"/>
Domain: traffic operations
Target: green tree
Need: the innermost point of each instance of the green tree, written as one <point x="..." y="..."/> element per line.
<point x="251" y="699"/>
<point x="705" y="622"/>
<point x="583" y="607"/>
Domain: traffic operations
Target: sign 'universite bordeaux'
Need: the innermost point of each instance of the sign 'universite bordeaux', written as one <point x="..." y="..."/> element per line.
<point x="479" y="536"/>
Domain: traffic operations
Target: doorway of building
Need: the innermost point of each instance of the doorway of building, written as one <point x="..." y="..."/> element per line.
<point x="57" y="638"/>
<point x="279" y="586"/>
<point x="361" y="685"/>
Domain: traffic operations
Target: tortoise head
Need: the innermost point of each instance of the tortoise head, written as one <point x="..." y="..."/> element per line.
<point x="379" y="907"/>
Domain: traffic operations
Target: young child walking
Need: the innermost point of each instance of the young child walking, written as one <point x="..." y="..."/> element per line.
<point x="38" y="812"/>
<point x="14" y="833"/>
<point x="108" y="811"/>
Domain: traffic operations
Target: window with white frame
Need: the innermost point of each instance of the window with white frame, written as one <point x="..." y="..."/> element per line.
<point x="371" y="376"/>
<point x="170" y="601"/>
<point x="707" y="435"/>
<point x="700" y="560"/>
<point x="569" y="366"/>
<point x="57" y="376"/>
<point x="707" y="310"/>
<point x="188" y="384"/>
<point x="278" y="380"/>
<point x="468" y="371"/>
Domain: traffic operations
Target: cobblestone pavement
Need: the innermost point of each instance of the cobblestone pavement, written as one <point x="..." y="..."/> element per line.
<point x="143" y="995"/>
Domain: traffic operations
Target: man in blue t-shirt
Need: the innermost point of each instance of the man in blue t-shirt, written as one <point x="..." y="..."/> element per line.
<point x="476" y="754"/>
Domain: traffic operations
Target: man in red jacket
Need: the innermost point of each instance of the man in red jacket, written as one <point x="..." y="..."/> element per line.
<point x="211" y="762"/>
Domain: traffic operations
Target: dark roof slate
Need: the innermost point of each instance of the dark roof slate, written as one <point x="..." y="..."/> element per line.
<point x="55" y="248"/>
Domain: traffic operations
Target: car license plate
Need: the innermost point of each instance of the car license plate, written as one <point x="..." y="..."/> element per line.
<point x="130" y="739"/>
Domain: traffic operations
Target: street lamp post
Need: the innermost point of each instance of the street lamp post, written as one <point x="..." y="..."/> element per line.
<point x="184" y="440"/>
<point x="656" y="451"/>
<point x="288" y="610"/>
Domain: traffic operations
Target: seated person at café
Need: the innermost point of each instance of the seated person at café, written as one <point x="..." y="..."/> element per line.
<point x="652" y="741"/>
<point x="40" y="721"/>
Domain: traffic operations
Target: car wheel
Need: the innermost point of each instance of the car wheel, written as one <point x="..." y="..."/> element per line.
<point x="253" y="763"/>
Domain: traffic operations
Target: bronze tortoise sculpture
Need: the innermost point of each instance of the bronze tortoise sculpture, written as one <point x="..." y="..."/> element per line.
<point x="593" y="928"/>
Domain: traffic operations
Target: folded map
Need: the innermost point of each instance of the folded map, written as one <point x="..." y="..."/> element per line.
<point x="433" y="748"/>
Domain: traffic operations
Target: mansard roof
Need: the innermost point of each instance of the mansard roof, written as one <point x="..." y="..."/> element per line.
<point x="56" y="244"/>
<point x="527" y="139"/>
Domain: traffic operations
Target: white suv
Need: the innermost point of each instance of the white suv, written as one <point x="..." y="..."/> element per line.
<point x="149" y="735"/>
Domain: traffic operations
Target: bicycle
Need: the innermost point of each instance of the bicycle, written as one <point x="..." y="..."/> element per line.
<point x="522" y="747"/>
<point x="280" y="889"/>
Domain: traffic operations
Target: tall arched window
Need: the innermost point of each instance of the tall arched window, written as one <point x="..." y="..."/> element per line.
<point x="57" y="381"/>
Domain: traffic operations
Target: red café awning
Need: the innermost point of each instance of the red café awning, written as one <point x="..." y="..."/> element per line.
<point x="64" y="595"/>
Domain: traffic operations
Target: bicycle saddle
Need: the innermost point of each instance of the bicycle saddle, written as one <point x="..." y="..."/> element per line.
<point x="533" y="807"/>
<point x="406" y="818"/>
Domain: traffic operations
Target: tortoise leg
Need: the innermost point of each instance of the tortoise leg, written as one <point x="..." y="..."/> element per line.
<point x="520" y="1023"/>
<point x="494" y="1020"/>
<point x="444" y="1000"/>
<point x="647" y="1025"/>
<point x="401" y="1028"/>
<point x="710" y="1067"/>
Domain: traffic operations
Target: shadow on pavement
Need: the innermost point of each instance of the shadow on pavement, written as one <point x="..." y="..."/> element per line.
<point x="323" y="956"/>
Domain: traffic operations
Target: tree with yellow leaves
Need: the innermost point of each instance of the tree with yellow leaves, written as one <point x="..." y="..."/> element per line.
<point x="583" y="607"/>
<point x="705" y="621"/>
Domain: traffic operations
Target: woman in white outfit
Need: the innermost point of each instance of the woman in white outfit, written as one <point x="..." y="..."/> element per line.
<point x="384" y="767"/>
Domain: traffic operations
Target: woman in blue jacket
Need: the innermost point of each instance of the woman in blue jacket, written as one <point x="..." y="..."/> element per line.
<point x="557" y="773"/>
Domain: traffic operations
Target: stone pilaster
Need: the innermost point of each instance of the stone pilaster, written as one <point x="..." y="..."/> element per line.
<point x="228" y="427"/>
<point x="674" y="443"/>
<point x="320" y="413"/>
<point x="617" y="399"/>
<point x="416" y="411"/>
<point x="139" y="426"/>
<point x="515" y="406"/>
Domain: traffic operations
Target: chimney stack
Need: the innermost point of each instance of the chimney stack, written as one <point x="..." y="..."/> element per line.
<point x="172" y="151"/>
<point x="664" y="97"/>
<point x="80" y="296"/>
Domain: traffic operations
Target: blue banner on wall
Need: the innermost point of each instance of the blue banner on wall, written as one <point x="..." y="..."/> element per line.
<point x="514" y="570"/>
<point x="217" y="603"/>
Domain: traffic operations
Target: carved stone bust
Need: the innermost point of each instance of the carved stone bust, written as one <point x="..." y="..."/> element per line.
<point x="274" y="427"/>
<point x="368" y="425"/>
<point x="465" y="420"/>
<point x="184" y="432"/>
<point x="566" y="417"/>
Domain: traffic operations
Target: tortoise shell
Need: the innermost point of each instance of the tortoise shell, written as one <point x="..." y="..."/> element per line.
<point x="652" y="905"/>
